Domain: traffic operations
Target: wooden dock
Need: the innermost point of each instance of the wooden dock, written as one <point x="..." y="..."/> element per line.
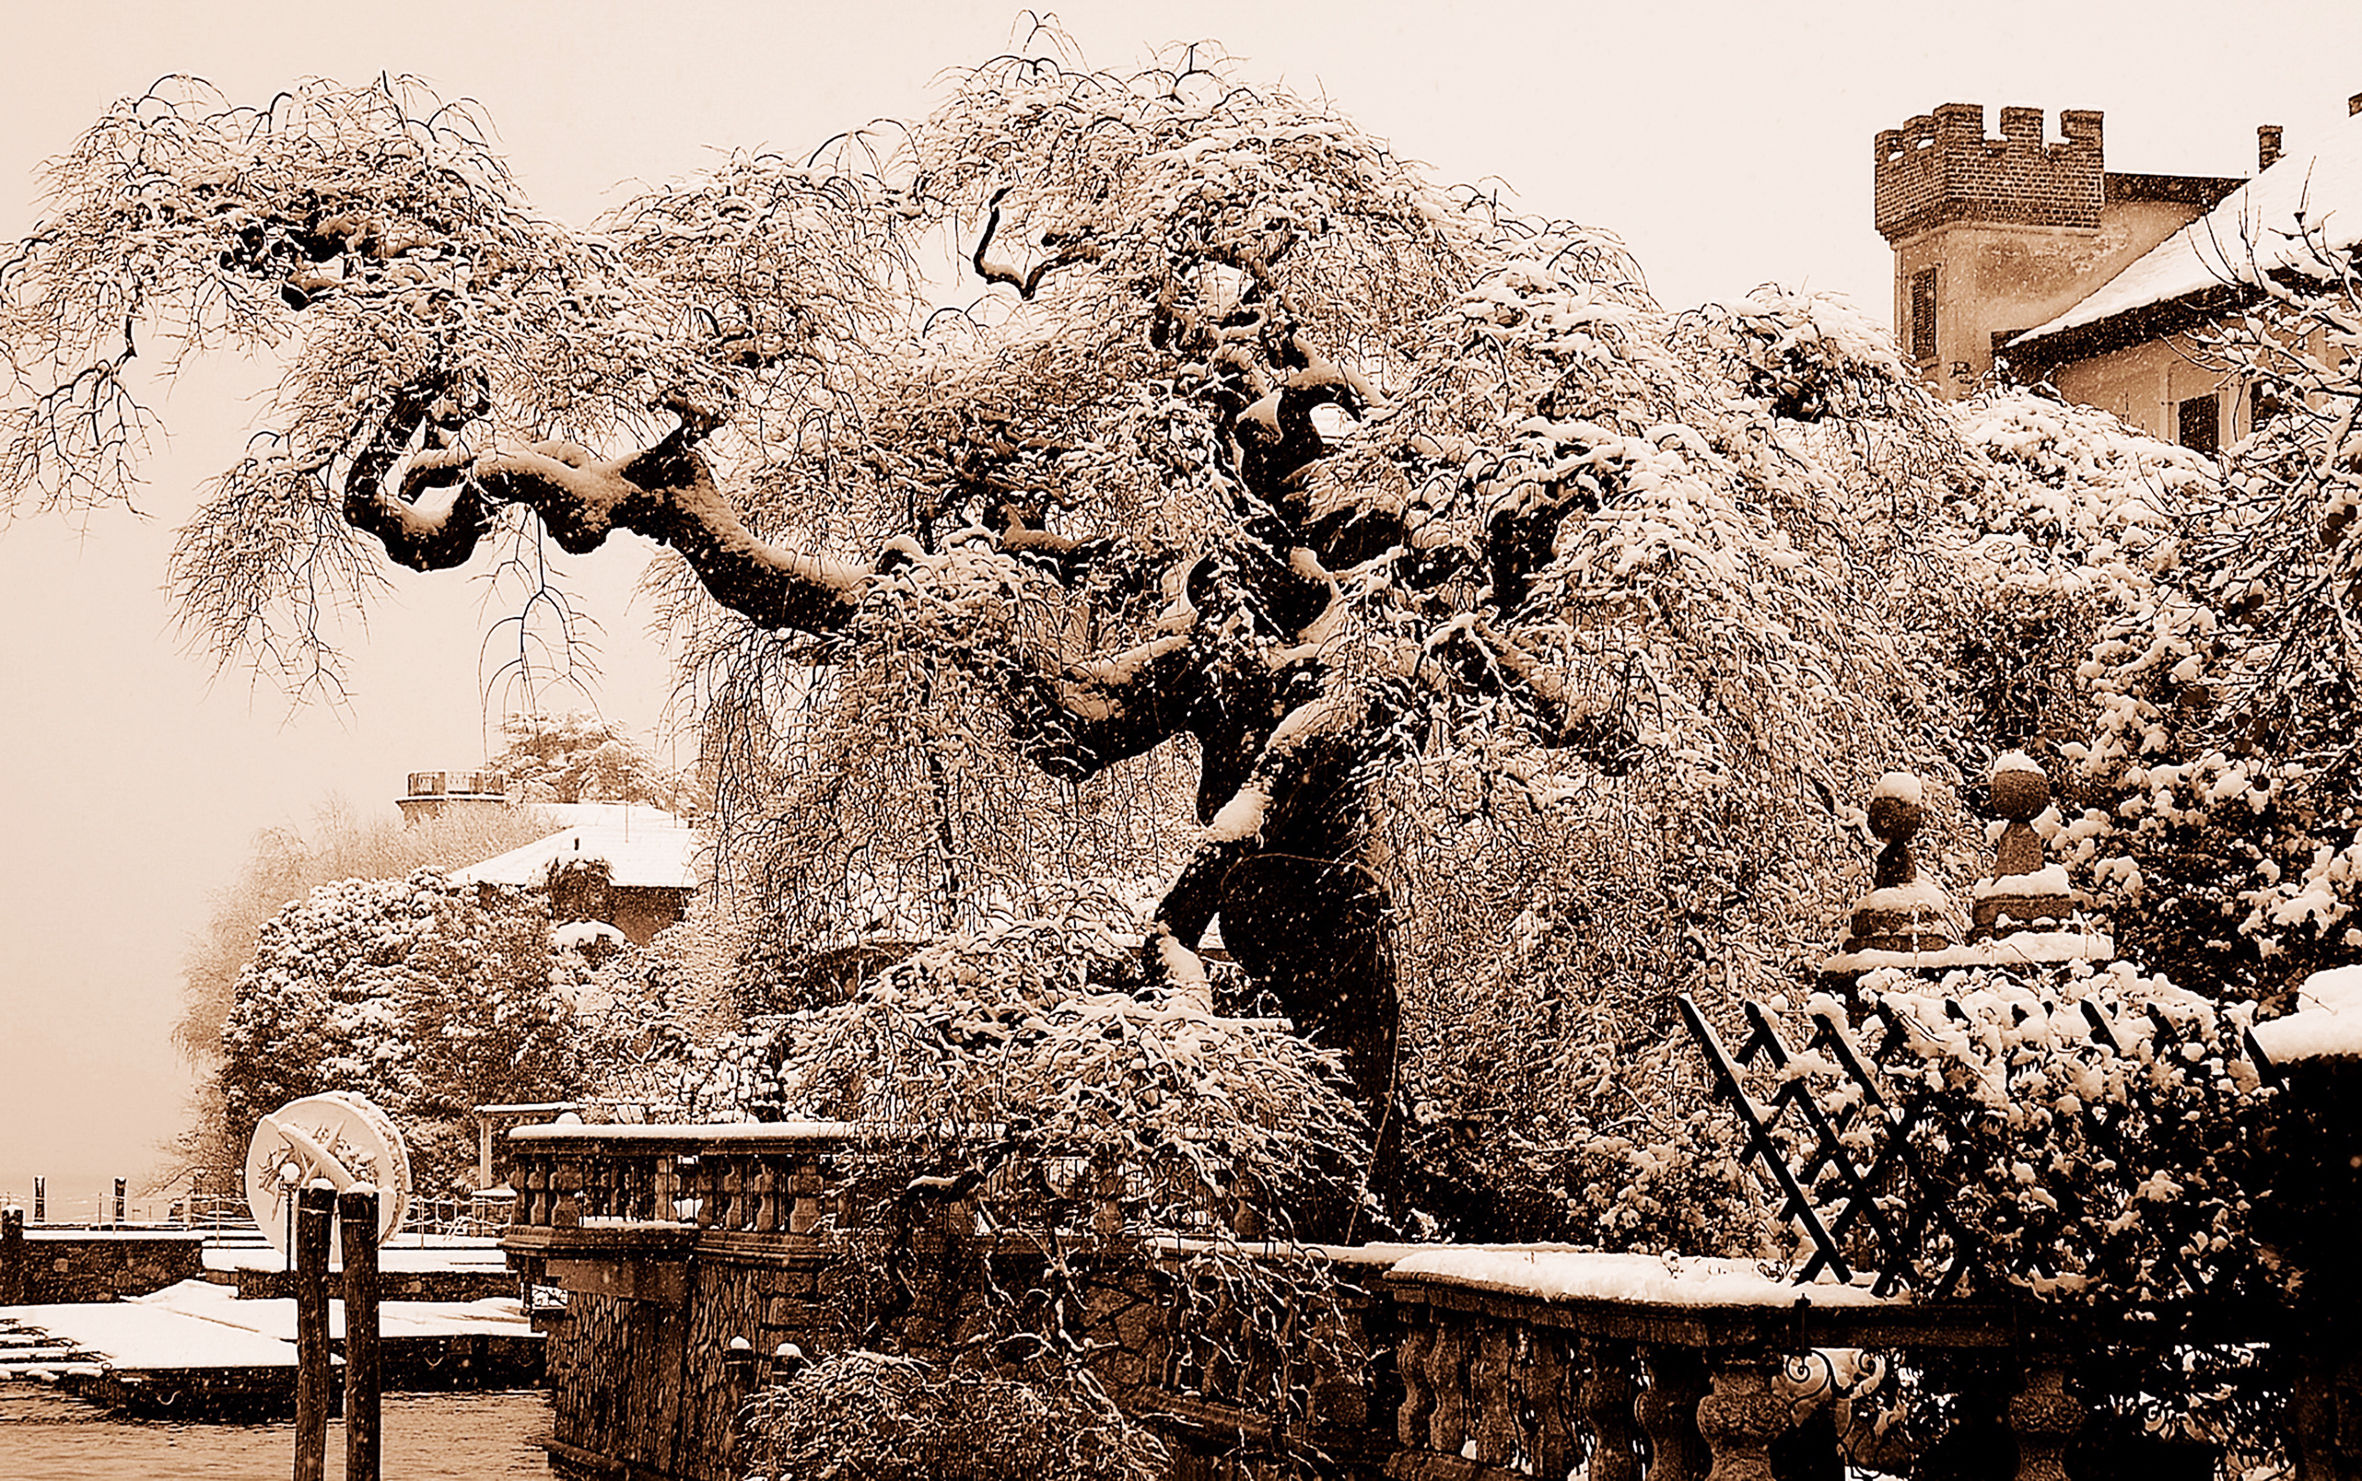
<point x="196" y="1349"/>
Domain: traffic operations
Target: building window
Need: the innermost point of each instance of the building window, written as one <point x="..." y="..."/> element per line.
<point x="2263" y="404"/>
<point x="2199" y="424"/>
<point x="1923" y="314"/>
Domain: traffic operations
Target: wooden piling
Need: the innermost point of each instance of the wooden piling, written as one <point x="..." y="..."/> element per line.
<point x="315" y="1213"/>
<point x="13" y="1284"/>
<point x="357" y="1211"/>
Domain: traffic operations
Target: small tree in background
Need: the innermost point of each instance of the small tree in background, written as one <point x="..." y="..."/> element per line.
<point x="581" y="757"/>
<point x="428" y="998"/>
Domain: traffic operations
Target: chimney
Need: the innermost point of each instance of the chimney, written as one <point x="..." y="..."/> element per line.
<point x="2267" y="145"/>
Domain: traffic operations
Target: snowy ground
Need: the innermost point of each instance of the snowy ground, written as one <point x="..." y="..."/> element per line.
<point x="446" y="1254"/>
<point x="198" y="1324"/>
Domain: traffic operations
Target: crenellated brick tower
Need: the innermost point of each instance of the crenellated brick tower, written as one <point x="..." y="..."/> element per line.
<point x="1995" y="235"/>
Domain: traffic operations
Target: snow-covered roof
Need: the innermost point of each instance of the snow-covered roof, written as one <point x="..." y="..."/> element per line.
<point x="2251" y="229"/>
<point x="643" y="849"/>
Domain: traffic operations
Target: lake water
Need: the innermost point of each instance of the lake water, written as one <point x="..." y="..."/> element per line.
<point x="47" y="1436"/>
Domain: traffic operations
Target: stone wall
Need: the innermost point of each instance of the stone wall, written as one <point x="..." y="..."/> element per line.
<point x="41" y="1267"/>
<point x="639" y="1362"/>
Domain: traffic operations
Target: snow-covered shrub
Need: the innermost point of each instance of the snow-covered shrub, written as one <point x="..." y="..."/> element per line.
<point x="284" y="865"/>
<point x="428" y="998"/>
<point x="2071" y="526"/>
<point x="2094" y="1133"/>
<point x="1048" y="1138"/>
<point x="1039" y="1030"/>
<point x="884" y="1417"/>
<point x="1809" y="356"/>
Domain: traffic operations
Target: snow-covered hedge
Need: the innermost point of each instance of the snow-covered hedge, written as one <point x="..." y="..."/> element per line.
<point x="2094" y="1132"/>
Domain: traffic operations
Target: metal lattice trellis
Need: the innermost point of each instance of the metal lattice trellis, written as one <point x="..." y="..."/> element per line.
<point x="1868" y="1178"/>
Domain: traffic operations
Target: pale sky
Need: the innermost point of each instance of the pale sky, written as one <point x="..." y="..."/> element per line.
<point x="1728" y="143"/>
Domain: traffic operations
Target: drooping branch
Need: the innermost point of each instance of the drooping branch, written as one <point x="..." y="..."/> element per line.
<point x="1026" y="283"/>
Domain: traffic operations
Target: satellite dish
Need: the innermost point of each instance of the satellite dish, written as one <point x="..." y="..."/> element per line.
<point x="338" y="1136"/>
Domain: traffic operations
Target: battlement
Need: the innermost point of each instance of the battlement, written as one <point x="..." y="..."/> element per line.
<point x="1942" y="167"/>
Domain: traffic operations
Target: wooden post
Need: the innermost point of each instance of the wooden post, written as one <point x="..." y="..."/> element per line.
<point x="315" y="1214"/>
<point x="357" y="1210"/>
<point x="13" y="1283"/>
<point x="40" y="1200"/>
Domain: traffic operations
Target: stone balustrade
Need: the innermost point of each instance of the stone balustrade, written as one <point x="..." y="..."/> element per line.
<point x="1530" y="1363"/>
<point x="1475" y="1364"/>
<point x="759" y="1178"/>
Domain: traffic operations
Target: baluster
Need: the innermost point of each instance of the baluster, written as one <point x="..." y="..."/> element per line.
<point x="1418" y="1395"/>
<point x="1447" y="1378"/>
<point x="665" y="1182"/>
<point x="1549" y="1394"/>
<point x="1608" y="1394"/>
<point x="647" y="1193"/>
<point x="1740" y="1419"/>
<point x="598" y="1192"/>
<point x="1668" y="1414"/>
<point x="532" y="1185"/>
<point x="565" y="1187"/>
<point x="733" y="1211"/>
<point x="2044" y="1417"/>
<point x="701" y="1179"/>
<point x="623" y="1182"/>
<point x="804" y="1214"/>
<point x="1492" y="1404"/>
<point x="766" y="1191"/>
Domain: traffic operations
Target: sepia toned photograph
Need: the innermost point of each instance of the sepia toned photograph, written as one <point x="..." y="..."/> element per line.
<point x="1344" y="742"/>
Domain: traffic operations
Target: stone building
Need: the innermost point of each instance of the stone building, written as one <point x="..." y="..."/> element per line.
<point x="2031" y="250"/>
<point x="623" y="865"/>
<point x="2126" y="347"/>
<point x="1993" y="236"/>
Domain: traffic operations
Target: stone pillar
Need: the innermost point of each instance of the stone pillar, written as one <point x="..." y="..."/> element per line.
<point x="1740" y="1418"/>
<point x="2043" y="1417"/>
<point x="1668" y="1413"/>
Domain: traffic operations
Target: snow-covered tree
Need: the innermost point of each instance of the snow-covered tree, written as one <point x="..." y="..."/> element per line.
<point x="1410" y="526"/>
<point x="284" y="866"/>
<point x="413" y="992"/>
<point x="581" y="757"/>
